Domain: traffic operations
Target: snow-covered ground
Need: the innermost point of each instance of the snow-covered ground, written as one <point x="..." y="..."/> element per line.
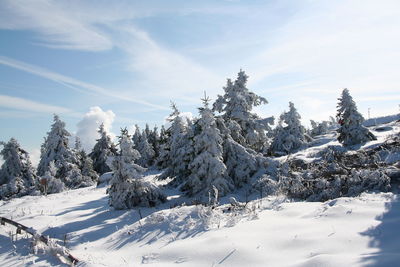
<point x="342" y="232"/>
<point x="358" y="231"/>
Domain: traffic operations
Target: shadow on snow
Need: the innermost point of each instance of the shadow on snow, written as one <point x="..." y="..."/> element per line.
<point x="385" y="237"/>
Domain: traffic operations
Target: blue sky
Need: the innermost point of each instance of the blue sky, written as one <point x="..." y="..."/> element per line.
<point x="122" y="62"/>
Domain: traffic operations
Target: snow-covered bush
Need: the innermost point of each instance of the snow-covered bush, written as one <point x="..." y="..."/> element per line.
<point x="17" y="176"/>
<point x="351" y="131"/>
<point x="289" y="135"/>
<point x="127" y="189"/>
<point x="266" y="185"/>
<point x="318" y="128"/>
<point x="52" y="184"/>
<point x="334" y="177"/>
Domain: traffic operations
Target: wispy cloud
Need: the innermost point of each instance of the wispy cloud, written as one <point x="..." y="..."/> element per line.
<point x="315" y="47"/>
<point x="54" y="23"/>
<point x="17" y="103"/>
<point x="159" y="72"/>
<point x="162" y="72"/>
<point x="73" y="83"/>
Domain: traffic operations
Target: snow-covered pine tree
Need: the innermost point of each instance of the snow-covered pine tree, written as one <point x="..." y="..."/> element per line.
<point x="241" y="162"/>
<point x="103" y="149"/>
<point x="247" y="128"/>
<point x="136" y="136"/>
<point x="85" y="163"/>
<point x="179" y="150"/>
<point x="154" y="140"/>
<point x="289" y="133"/>
<point x="55" y="148"/>
<point x="128" y="189"/>
<point x="146" y="151"/>
<point x="173" y="150"/>
<point x="163" y="156"/>
<point x="319" y="128"/>
<point x="207" y="168"/>
<point x="351" y="131"/>
<point x="147" y="130"/>
<point x="17" y="176"/>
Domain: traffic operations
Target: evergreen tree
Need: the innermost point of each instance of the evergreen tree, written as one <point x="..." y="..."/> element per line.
<point x="56" y="149"/>
<point x="177" y="151"/>
<point x="154" y="140"/>
<point x="241" y="162"/>
<point x="207" y="168"/>
<point x="247" y="128"/>
<point x="351" y="131"/>
<point x="85" y="163"/>
<point x="163" y="156"/>
<point x="102" y="150"/>
<point x="17" y="176"/>
<point x="147" y="130"/>
<point x="319" y="128"/>
<point x="146" y="151"/>
<point x="128" y="189"/>
<point x="136" y="136"/>
<point x="289" y="134"/>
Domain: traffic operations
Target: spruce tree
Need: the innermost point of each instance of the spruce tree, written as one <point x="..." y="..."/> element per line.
<point x="178" y="150"/>
<point x="154" y="140"/>
<point x="247" y="128"/>
<point x="136" y="136"/>
<point x="207" y="168"/>
<point x="146" y="151"/>
<point x="128" y="189"/>
<point x="102" y="150"/>
<point x="55" y="148"/>
<point x="351" y="131"/>
<point x="319" y="128"/>
<point x="163" y="155"/>
<point x="241" y="162"/>
<point x="289" y="135"/>
<point x="85" y="163"/>
<point x="17" y="176"/>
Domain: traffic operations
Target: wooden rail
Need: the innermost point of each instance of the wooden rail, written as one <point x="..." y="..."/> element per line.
<point x="32" y="232"/>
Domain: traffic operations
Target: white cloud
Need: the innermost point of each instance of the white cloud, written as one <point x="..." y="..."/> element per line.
<point x="160" y="72"/>
<point x="52" y="20"/>
<point x="88" y="126"/>
<point x="31" y="106"/>
<point x="73" y="83"/>
<point x="34" y="155"/>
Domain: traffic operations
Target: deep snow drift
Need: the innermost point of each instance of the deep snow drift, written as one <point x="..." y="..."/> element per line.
<point x="357" y="231"/>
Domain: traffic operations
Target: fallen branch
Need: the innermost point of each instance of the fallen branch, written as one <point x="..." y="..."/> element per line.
<point x="34" y="233"/>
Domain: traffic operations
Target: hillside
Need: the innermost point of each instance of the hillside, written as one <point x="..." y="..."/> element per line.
<point x="273" y="231"/>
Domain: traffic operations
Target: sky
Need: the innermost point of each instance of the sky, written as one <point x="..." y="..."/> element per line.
<point x="122" y="62"/>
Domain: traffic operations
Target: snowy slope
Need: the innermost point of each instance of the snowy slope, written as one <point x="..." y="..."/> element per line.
<point x="355" y="231"/>
<point x="342" y="232"/>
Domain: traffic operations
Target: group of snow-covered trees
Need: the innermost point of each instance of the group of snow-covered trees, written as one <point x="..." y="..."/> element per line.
<point x="216" y="153"/>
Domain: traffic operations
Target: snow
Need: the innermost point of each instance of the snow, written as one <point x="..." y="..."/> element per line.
<point x="274" y="231"/>
<point x="323" y="141"/>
